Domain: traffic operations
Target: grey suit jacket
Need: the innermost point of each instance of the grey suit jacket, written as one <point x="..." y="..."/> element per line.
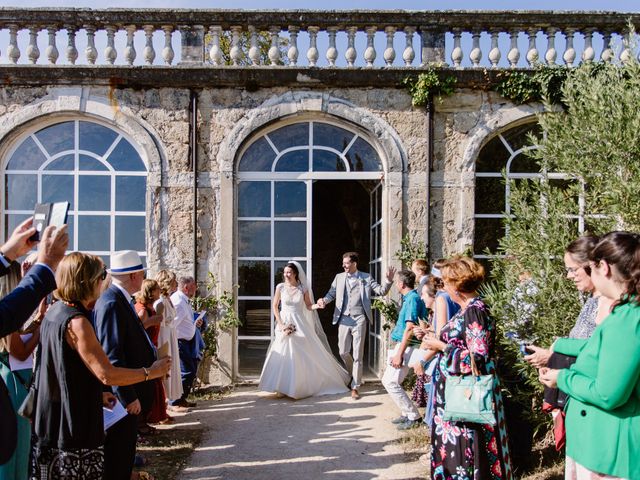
<point x="369" y="288"/>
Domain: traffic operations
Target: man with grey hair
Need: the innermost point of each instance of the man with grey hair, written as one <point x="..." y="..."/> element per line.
<point x="186" y="331"/>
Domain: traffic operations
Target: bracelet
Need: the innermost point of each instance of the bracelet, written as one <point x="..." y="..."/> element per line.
<point x="146" y="373"/>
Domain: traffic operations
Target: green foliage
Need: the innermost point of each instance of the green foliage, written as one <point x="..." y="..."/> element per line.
<point x="221" y="314"/>
<point x="430" y="83"/>
<point x="410" y="251"/>
<point x="388" y="308"/>
<point x="544" y="84"/>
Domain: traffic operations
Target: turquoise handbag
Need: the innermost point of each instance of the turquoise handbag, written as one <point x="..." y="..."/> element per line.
<point x="469" y="398"/>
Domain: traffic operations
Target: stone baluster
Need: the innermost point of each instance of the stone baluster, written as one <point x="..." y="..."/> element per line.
<point x="33" y="52"/>
<point x="312" y="52"/>
<point x="432" y="43"/>
<point x="389" y="52"/>
<point x="292" y="52"/>
<point x="456" y="53"/>
<point x="72" y="51"/>
<point x="215" y="52"/>
<point x="167" y="51"/>
<point x="569" y="55"/>
<point x="409" y="54"/>
<point x="332" y="51"/>
<point x="236" y="52"/>
<point x="13" y="52"/>
<point x="149" y="53"/>
<point x="254" y="50"/>
<point x="625" y="54"/>
<point x="514" y="54"/>
<point x="110" y="53"/>
<point x="532" y="52"/>
<point x="551" y="54"/>
<point x="51" y="51"/>
<point x="370" y="51"/>
<point x="475" y="55"/>
<point x="90" y="51"/>
<point x="274" y="50"/>
<point x="607" y="51"/>
<point x="494" y="53"/>
<point x="350" y="55"/>
<point x="130" y="49"/>
<point x="588" y="54"/>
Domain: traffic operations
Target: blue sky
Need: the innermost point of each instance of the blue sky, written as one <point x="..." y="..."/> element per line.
<point x="606" y="5"/>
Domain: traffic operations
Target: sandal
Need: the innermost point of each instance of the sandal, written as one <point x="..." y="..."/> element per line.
<point x="147" y="430"/>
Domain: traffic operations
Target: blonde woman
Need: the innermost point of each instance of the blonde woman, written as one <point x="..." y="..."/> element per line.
<point x="167" y="337"/>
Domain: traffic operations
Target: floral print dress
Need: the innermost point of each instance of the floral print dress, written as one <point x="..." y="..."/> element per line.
<point x="460" y="450"/>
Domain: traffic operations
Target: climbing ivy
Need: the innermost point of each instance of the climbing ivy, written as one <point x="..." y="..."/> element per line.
<point x="544" y="84"/>
<point x="432" y="82"/>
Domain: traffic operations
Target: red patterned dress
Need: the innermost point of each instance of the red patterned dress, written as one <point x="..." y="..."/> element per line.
<point x="460" y="450"/>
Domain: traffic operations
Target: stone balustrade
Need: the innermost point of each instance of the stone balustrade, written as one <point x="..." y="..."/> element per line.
<point x="305" y="38"/>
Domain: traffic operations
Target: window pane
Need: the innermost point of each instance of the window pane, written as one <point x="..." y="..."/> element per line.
<point x="131" y="193"/>
<point x="290" y="136"/>
<point x="254" y="199"/>
<point x="253" y="278"/>
<point x="95" y="138"/>
<point x="279" y="269"/>
<point x="493" y="156"/>
<point x="489" y="195"/>
<point x="252" y="354"/>
<point x="57" y="138"/>
<point x="290" y="239"/>
<point x="58" y="188"/>
<point x="125" y="157"/>
<point x="290" y="199"/>
<point x="254" y="239"/>
<point x="66" y="162"/>
<point x="90" y="163"/>
<point x="295" y="161"/>
<point x="523" y="163"/>
<point x="517" y="137"/>
<point x="331" y="136"/>
<point x="93" y="232"/>
<point x="258" y="157"/>
<point x="20" y="192"/>
<point x="94" y="193"/>
<point x="488" y="231"/>
<point x="255" y="316"/>
<point x="28" y="156"/>
<point x="130" y="233"/>
<point x="363" y="158"/>
<point x="12" y="221"/>
<point x="325" y="161"/>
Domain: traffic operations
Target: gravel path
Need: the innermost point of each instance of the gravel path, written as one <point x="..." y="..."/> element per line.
<point x="255" y="436"/>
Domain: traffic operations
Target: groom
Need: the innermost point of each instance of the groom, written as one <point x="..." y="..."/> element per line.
<point x="352" y="292"/>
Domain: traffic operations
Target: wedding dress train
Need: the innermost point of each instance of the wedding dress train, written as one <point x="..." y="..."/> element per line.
<point x="299" y="365"/>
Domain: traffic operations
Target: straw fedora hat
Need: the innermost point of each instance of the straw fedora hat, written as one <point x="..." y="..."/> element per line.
<point x="125" y="261"/>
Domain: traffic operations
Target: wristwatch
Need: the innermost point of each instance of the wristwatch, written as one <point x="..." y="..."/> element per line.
<point x="6" y="261"/>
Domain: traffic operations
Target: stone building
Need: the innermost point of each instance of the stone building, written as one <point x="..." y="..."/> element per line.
<point x="174" y="134"/>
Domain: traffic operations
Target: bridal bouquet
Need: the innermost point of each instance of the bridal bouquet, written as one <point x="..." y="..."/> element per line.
<point x="288" y="329"/>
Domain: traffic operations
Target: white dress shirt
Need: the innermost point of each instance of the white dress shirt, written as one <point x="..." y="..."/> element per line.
<point x="185" y="328"/>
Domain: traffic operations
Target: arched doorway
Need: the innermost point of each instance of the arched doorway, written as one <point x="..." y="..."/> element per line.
<point x="304" y="191"/>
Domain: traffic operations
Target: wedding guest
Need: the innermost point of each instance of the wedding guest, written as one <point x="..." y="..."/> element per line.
<point x="444" y="308"/>
<point x="603" y="385"/>
<point x="16" y="364"/>
<point x="460" y="449"/>
<point x="186" y="330"/>
<point x="149" y="293"/>
<point x="420" y="268"/>
<point x="68" y="419"/>
<point x="127" y="344"/>
<point x="413" y="309"/>
<point x="168" y="337"/>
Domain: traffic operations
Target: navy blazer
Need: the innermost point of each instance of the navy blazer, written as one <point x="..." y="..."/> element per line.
<point x="125" y="342"/>
<point x="17" y="307"/>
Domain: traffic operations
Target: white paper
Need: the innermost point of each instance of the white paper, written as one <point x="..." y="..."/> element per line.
<point x="200" y="316"/>
<point x="16" y="364"/>
<point x="117" y="413"/>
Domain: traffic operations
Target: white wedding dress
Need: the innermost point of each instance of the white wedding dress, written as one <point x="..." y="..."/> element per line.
<point x="300" y="365"/>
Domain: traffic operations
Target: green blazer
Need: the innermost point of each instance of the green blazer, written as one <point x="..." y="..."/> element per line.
<point x="603" y="411"/>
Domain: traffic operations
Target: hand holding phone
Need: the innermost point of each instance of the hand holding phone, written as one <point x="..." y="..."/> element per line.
<point x="46" y="214"/>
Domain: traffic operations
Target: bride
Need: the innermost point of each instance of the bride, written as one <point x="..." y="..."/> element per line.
<point x="299" y="363"/>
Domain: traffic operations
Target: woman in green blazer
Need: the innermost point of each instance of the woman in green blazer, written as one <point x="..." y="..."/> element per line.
<point x="603" y="411"/>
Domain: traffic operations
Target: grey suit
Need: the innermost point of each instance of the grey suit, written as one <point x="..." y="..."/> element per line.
<point x="351" y="312"/>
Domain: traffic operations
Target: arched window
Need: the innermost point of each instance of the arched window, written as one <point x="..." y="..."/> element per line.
<point x="93" y="167"/>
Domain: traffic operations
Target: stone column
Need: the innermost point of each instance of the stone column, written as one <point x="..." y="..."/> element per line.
<point x="192" y="42"/>
<point x="432" y="46"/>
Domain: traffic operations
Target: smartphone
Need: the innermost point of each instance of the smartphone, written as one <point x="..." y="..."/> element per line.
<point x="45" y="214"/>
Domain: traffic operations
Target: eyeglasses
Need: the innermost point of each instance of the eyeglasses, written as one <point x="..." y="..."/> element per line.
<point x="574" y="270"/>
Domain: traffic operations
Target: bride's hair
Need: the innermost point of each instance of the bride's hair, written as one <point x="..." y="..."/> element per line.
<point x="293" y="267"/>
